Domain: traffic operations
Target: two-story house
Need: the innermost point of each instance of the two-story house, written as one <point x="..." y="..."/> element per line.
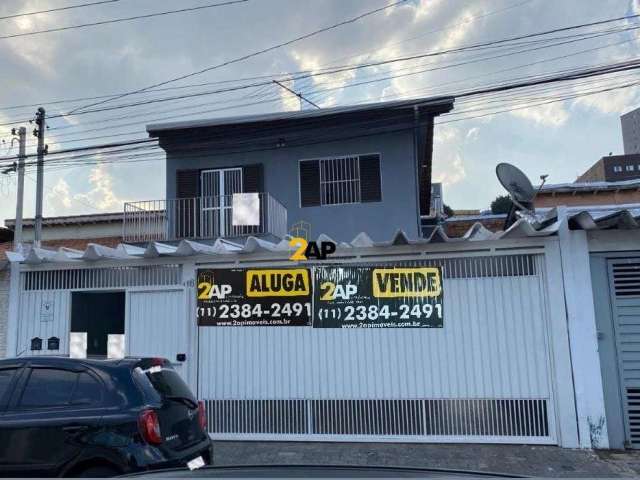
<point x="395" y="336"/>
<point x="336" y="171"/>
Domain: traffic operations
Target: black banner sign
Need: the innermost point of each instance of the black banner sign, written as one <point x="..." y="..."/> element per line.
<point x="377" y="297"/>
<point x="254" y="297"/>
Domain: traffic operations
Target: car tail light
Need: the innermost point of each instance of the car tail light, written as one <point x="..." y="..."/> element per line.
<point x="202" y="416"/>
<point x="150" y="427"/>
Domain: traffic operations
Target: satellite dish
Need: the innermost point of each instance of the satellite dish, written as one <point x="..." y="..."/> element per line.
<point x="520" y="190"/>
<point x="517" y="184"/>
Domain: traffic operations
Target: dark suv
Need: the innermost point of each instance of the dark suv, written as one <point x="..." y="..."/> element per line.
<point x="69" y="417"/>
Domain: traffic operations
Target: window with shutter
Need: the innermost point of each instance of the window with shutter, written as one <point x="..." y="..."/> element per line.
<point x="252" y="179"/>
<point x="370" y="183"/>
<point x="340" y="180"/>
<point x="310" y="183"/>
<point x="186" y="218"/>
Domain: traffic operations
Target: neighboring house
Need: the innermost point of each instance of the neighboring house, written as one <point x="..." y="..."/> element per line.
<point x="613" y="168"/>
<point x="73" y="227"/>
<point x="589" y="193"/>
<point x="73" y="232"/>
<point x="340" y="170"/>
<point x="631" y="131"/>
<point x="6" y="237"/>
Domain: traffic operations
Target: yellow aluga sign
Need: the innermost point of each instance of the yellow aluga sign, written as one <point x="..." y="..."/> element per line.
<point x="289" y="282"/>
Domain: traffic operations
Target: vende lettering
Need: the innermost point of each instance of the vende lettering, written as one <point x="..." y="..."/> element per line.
<point x="406" y="282"/>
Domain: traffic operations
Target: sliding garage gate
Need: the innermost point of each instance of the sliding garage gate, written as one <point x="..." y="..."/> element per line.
<point x="624" y="283"/>
<point x="483" y="377"/>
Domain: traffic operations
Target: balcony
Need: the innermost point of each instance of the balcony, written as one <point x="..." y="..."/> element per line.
<point x="204" y="218"/>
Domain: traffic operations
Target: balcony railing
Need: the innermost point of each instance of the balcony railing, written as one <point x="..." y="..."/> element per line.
<point x="199" y="218"/>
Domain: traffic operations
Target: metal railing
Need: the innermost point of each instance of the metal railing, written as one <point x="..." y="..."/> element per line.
<point x="199" y="218"/>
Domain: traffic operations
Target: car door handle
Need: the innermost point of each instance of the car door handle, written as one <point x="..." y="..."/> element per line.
<point x="74" y="428"/>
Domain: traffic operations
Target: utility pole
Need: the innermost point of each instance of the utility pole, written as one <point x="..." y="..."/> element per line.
<point x="22" y="147"/>
<point x="39" y="132"/>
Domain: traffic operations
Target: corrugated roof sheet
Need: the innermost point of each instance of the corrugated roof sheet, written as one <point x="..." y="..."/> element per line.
<point x="593" y="218"/>
<point x="605" y="218"/>
<point x="188" y="248"/>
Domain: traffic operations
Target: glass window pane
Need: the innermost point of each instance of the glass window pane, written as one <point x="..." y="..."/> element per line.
<point x="5" y="379"/>
<point x="88" y="391"/>
<point x="48" y="387"/>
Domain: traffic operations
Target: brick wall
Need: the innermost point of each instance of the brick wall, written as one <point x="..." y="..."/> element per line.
<point x="457" y="228"/>
<point x="609" y="197"/>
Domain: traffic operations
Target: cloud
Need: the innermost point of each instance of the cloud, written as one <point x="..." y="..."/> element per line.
<point x="550" y="115"/>
<point x="58" y="199"/>
<point x="101" y="195"/>
<point x="451" y="173"/>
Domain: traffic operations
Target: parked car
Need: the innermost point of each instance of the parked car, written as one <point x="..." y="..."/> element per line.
<point x="97" y="418"/>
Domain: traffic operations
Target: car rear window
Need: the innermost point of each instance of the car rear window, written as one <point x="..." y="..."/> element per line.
<point x="166" y="382"/>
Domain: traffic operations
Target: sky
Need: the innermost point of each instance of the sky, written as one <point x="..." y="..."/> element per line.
<point x="561" y="139"/>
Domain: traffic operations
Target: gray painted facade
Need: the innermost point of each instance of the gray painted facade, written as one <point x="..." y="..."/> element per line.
<point x="401" y="133"/>
<point x="398" y="208"/>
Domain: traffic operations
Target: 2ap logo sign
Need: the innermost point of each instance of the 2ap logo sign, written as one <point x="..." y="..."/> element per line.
<point x="306" y="250"/>
<point x="207" y="289"/>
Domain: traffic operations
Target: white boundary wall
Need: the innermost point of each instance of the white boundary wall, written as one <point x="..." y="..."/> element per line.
<point x="566" y="314"/>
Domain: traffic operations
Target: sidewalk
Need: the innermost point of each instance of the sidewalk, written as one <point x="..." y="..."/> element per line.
<point x="541" y="461"/>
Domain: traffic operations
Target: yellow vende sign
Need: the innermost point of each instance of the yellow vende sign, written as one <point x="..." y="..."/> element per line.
<point x="291" y="282"/>
<point x="406" y="282"/>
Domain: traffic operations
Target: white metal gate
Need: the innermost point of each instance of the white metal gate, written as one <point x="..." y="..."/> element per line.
<point x="624" y="284"/>
<point x="484" y="377"/>
<point x="155" y="326"/>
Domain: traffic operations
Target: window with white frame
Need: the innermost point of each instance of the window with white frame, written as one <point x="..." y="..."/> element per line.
<point x="617" y="168"/>
<point x="630" y="168"/>
<point x="340" y="180"/>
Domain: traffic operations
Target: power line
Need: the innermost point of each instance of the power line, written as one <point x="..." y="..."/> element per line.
<point x="125" y="19"/>
<point x="491" y="44"/>
<point x="59" y="9"/>
<point x="102" y="122"/>
<point x="250" y="55"/>
<point x="329" y="72"/>
<point x="570" y="76"/>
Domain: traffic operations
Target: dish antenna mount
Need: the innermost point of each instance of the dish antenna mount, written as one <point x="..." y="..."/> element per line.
<point x="521" y="191"/>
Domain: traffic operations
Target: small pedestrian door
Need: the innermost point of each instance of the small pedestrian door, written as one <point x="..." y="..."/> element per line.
<point x="218" y="187"/>
<point x="624" y="281"/>
<point x="156" y="326"/>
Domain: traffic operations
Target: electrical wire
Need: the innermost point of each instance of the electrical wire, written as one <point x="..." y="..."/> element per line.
<point x="366" y="65"/>
<point x="252" y="54"/>
<point x="119" y="20"/>
<point x="58" y="9"/>
<point x="127" y="147"/>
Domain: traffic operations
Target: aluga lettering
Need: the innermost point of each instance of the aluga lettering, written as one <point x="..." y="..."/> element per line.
<point x="277" y="282"/>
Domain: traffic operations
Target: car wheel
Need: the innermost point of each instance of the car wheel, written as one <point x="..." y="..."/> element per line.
<point x="99" y="472"/>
